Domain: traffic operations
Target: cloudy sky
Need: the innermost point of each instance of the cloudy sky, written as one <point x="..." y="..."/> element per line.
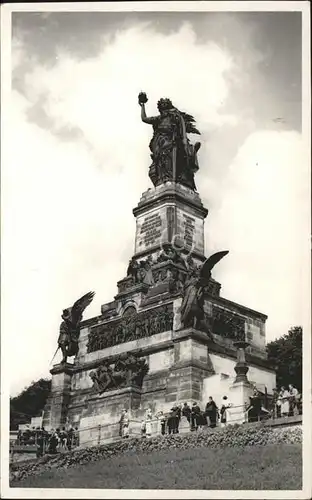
<point x="78" y="160"/>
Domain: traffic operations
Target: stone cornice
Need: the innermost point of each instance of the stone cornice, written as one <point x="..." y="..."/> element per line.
<point x="242" y="309"/>
<point x="191" y="363"/>
<point x="170" y="195"/>
<point x="213" y="347"/>
<point x="139" y="288"/>
<point x="115" y="393"/>
<point x="87" y="322"/>
<point x="67" y="368"/>
<point x="145" y="351"/>
<point x="216" y="348"/>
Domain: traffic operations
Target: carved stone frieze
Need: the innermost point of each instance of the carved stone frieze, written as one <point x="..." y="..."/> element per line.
<point x="227" y="324"/>
<point x="133" y="327"/>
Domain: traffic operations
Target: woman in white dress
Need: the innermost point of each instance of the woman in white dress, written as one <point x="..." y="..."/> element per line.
<point x="284" y="398"/>
<point x="148" y="422"/>
<point x="124" y="424"/>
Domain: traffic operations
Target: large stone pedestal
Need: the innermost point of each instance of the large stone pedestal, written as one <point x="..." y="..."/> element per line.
<point x="143" y="321"/>
<point x="99" y="421"/>
<point x="170" y="211"/>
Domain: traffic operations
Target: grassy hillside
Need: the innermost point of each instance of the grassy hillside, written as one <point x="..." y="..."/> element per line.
<point x="249" y="467"/>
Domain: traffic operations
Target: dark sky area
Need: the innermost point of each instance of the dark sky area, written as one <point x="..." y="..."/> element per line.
<point x="275" y="34"/>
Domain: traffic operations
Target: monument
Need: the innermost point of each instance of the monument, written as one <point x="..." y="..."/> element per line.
<point x="169" y="336"/>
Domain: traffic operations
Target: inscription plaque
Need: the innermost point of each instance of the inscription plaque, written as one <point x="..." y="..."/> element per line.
<point x="189" y="229"/>
<point x="150" y="230"/>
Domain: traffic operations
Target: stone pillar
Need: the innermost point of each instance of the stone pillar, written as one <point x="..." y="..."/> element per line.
<point x="191" y="365"/>
<point x="55" y="411"/>
<point x="241" y="389"/>
<point x="241" y="368"/>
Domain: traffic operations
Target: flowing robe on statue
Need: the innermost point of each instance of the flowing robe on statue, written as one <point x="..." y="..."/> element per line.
<point x="161" y="146"/>
<point x="190" y="305"/>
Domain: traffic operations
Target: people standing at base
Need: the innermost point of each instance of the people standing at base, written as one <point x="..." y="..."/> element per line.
<point x="40" y="444"/>
<point x="195" y="416"/>
<point x="186" y="412"/>
<point x="299" y="403"/>
<point x="161" y="417"/>
<point x="46" y="437"/>
<point x="148" y="422"/>
<point x="293" y="395"/>
<point x="201" y="421"/>
<point x="179" y="414"/>
<point x="276" y="404"/>
<point x="223" y="411"/>
<point x="284" y="398"/>
<point x="254" y="408"/>
<point x="177" y="417"/>
<point x="76" y="437"/>
<point x="124" y="424"/>
<point x="170" y="423"/>
<point x="63" y="439"/>
<point x="173" y="421"/>
<point x="53" y="442"/>
<point x="70" y="437"/>
<point x="211" y="412"/>
<point x="143" y="428"/>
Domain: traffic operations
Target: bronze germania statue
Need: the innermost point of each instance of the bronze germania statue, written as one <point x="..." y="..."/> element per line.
<point x="174" y="157"/>
<point x="69" y="328"/>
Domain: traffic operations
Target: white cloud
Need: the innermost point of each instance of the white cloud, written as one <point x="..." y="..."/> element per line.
<point x="264" y="222"/>
<point x="68" y="224"/>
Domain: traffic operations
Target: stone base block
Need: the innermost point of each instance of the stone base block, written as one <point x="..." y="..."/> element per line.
<point x="239" y="398"/>
<point x="99" y="421"/>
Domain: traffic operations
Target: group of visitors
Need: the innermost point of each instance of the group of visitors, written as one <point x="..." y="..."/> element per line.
<point x="287" y="402"/>
<point x="28" y="437"/>
<point x="62" y="439"/>
<point x="197" y="419"/>
<point x="49" y="441"/>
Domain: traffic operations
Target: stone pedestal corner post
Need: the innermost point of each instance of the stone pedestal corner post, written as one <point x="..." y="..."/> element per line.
<point x="241" y="389"/>
<point x="55" y="414"/>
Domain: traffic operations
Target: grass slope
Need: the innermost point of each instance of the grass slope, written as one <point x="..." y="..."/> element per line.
<point x="267" y="467"/>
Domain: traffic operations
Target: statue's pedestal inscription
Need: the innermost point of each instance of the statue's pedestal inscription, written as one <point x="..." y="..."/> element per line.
<point x="169" y="214"/>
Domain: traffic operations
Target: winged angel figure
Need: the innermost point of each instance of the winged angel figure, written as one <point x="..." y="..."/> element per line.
<point x="192" y="308"/>
<point x="69" y="328"/>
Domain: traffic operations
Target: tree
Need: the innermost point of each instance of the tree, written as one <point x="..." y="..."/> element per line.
<point x="285" y="354"/>
<point x="29" y="403"/>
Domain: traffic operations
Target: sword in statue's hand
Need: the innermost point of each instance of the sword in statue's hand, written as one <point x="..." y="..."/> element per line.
<point x="54" y="354"/>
